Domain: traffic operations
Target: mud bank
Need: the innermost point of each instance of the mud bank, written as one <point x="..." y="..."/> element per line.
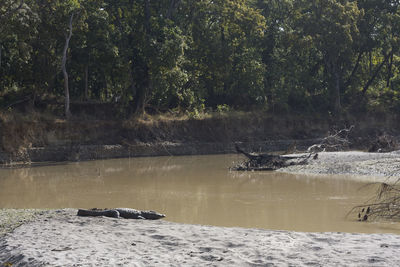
<point x="25" y="139"/>
<point x="93" y="152"/>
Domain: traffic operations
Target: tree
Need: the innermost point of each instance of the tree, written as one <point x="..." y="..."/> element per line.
<point x="332" y="27"/>
<point x="6" y="12"/>
<point x="226" y="36"/>
<point x="289" y="55"/>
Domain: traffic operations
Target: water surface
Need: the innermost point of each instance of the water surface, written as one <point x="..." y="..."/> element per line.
<point x="196" y="190"/>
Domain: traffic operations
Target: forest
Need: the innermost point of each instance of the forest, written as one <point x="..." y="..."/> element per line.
<point x="323" y="56"/>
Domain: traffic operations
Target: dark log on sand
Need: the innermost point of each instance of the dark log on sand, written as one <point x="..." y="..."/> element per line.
<point x="122" y="212"/>
<point x="139" y="214"/>
<point x="97" y="213"/>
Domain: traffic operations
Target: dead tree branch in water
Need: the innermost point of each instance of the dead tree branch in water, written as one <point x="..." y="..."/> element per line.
<point x="268" y="162"/>
<point x="385" y="205"/>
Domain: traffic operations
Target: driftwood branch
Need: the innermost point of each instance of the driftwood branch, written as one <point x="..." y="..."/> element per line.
<point x="268" y="162"/>
<point x="334" y="142"/>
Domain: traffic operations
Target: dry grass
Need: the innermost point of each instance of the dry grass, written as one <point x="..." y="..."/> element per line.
<point x="171" y="117"/>
<point x="12" y="218"/>
<point x="19" y="130"/>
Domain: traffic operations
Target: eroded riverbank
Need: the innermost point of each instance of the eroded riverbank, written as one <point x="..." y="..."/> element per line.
<point x="32" y="138"/>
<point x="75" y="153"/>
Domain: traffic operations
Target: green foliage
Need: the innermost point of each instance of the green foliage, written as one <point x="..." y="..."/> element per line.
<point x="223" y="108"/>
<point x="281" y="55"/>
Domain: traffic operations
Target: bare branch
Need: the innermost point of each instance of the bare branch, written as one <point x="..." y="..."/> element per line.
<point x="377" y="70"/>
<point x="334" y="142"/>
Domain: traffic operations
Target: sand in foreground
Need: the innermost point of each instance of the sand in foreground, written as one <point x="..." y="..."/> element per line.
<point x="62" y="238"/>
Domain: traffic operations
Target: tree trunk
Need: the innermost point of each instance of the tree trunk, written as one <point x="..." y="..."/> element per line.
<point x="142" y="90"/>
<point x="86" y="82"/>
<point x="64" y="69"/>
<point x="389" y="75"/>
<point x="147" y="17"/>
<point x="370" y="63"/>
<point x="353" y="72"/>
<point x="140" y="102"/>
<point x="338" y="106"/>
<point x="331" y="69"/>
<point x="172" y="8"/>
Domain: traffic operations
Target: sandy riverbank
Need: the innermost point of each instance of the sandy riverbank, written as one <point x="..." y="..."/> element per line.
<point x="60" y="238"/>
<point x="374" y="167"/>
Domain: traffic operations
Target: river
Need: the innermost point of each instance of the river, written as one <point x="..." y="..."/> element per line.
<point x="195" y="190"/>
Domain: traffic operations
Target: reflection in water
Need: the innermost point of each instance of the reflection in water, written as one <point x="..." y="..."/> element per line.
<point x="195" y="189"/>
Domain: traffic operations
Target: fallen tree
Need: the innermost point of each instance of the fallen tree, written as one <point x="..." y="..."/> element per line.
<point x="346" y="139"/>
<point x="269" y="162"/>
<point x="337" y="141"/>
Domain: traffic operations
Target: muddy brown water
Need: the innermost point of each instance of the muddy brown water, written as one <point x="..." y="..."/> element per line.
<point x="195" y="190"/>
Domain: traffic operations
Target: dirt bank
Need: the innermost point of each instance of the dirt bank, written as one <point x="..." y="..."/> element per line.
<point x="38" y="138"/>
<point x="53" y="153"/>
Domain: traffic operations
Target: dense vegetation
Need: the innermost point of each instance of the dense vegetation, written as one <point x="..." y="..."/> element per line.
<point x="325" y="56"/>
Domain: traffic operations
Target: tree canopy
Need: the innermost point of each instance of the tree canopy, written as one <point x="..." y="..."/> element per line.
<point x="325" y="56"/>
